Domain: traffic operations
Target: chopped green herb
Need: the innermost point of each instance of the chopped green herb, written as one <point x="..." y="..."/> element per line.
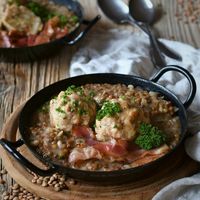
<point x="64" y="101"/>
<point x="71" y="89"/>
<point x="49" y="16"/>
<point x="44" y="108"/>
<point x="92" y="93"/>
<point x="133" y="100"/>
<point x="63" y="20"/>
<point x="75" y="103"/>
<point x="81" y="111"/>
<point x="40" y="10"/>
<point x="55" y="97"/>
<point x="61" y="156"/>
<point x="74" y="18"/>
<point x="88" y="99"/>
<point x="150" y="137"/>
<point x="122" y="97"/>
<point x="115" y="126"/>
<point x="108" y="109"/>
<point x="18" y="2"/>
<point x="72" y="109"/>
<point x="60" y="110"/>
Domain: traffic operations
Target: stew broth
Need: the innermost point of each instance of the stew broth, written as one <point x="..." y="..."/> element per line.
<point x="104" y="127"/>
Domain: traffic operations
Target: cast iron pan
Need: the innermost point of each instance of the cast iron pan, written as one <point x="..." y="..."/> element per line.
<point x="113" y="177"/>
<point x="27" y="54"/>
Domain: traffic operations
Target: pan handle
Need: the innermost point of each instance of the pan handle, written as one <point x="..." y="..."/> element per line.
<point x="11" y="147"/>
<point x="186" y="73"/>
<point x="89" y="24"/>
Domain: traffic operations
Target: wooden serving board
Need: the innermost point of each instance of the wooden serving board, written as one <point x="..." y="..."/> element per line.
<point x="139" y="190"/>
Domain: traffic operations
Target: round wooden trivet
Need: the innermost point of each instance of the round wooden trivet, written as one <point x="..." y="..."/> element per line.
<point x="139" y="190"/>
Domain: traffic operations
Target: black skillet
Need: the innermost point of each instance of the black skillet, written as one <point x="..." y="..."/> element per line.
<point x="27" y="54"/>
<point x="99" y="176"/>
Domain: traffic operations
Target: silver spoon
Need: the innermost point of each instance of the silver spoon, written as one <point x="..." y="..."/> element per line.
<point x="143" y="11"/>
<point x="118" y="12"/>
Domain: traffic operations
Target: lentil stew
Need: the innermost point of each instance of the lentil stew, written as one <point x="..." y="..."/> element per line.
<point x="25" y="23"/>
<point x="105" y="127"/>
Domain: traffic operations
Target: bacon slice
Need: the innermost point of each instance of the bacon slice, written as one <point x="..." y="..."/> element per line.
<point x="61" y="32"/>
<point x="115" y="148"/>
<point x="41" y="39"/>
<point x="140" y="156"/>
<point x="51" y="31"/>
<point x="82" y="131"/>
<point x="81" y="154"/>
<point x="120" y="149"/>
<point x="31" y="40"/>
<point x="4" y="39"/>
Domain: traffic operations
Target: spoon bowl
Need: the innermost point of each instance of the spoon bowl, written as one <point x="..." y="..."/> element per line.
<point x="142" y="10"/>
<point x="118" y="12"/>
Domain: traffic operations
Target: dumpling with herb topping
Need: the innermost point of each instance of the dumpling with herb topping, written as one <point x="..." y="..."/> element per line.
<point x="21" y="19"/>
<point x="72" y="107"/>
<point x="118" y="122"/>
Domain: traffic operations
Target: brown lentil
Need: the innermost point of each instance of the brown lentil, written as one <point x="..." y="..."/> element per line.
<point x="39" y="182"/>
<point x="44" y="184"/>
<point x="188" y="11"/>
<point x="16" y="192"/>
<point x="57" y="189"/>
<point x="15" y="186"/>
<point x="56" y="181"/>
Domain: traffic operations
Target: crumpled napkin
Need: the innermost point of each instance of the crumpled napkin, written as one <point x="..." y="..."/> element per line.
<point x="127" y="52"/>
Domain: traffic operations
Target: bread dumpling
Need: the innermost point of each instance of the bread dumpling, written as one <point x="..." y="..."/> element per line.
<point x="72" y="107"/>
<point x="22" y="19"/>
<point x="3" y="4"/>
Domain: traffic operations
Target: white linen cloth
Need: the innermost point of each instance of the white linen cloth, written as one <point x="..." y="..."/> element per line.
<point x="127" y="52"/>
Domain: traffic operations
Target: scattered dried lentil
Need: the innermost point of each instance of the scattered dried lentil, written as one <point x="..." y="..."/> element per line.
<point x="56" y="181"/>
<point x="18" y="193"/>
<point x="188" y="11"/>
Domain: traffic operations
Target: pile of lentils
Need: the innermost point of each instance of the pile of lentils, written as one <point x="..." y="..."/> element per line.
<point x="56" y="181"/>
<point x="16" y="192"/>
<point x="188" y="11"/>
<point x="19" y="193"/>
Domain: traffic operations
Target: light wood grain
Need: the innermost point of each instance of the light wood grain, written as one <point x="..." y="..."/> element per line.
<point x="20" y="81"/>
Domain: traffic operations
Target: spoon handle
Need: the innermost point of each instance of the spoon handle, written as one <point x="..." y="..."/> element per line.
<point x="156" y="55"/>
<point x="165" y="49"/>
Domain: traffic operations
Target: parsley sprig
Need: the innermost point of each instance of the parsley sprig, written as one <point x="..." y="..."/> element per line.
<point x="150" y="137"/>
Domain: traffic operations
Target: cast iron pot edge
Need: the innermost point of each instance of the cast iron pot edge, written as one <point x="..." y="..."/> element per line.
<point x="113" y="176"/>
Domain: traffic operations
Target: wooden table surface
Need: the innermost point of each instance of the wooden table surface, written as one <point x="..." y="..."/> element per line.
<point x="19" y="81"/>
